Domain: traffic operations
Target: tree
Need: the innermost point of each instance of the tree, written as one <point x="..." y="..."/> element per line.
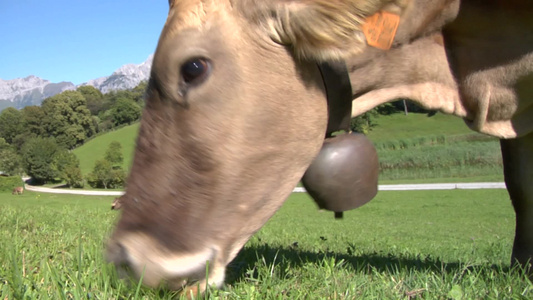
<point x="101" y="175"/>
<point x="39" y="159"/>
<point x="113" y="153"/>
<point x="68" y="119"/>
<point x="364" y="123"/>
<point x="11" y="124"/>
<point x="4" y="145"/>
<point x="93" y="97"/>
<point x="119" y="178"/>
<point x="68" y="168"/>
<point x="139" y="92"/>
<point x="104" y="175"/>
<point x="32" y="120"/>
<point x="125" y="111"/>
<point x="33" y="117"/>
<point x="10" y="162"/>
<point x="73" y="177"/>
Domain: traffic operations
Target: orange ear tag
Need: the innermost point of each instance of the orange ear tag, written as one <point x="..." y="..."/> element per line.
<point x="380" y="29"/>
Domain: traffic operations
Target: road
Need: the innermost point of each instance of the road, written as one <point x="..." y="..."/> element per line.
<point x="391" y="187"/>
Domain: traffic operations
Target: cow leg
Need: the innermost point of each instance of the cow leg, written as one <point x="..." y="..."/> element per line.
<point x="518" y="171"/>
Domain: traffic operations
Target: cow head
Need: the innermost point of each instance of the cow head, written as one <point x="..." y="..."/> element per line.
<point x="235" y="113"/>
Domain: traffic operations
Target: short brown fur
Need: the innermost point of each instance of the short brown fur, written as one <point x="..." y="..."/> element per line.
<point x="18" y="190"/>
<point x="217" y="157"/>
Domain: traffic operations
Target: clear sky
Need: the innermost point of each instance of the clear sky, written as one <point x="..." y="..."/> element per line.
<point x="76" y="40"/>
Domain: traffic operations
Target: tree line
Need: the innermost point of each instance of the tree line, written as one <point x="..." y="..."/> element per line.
<point x="37" y="140"/>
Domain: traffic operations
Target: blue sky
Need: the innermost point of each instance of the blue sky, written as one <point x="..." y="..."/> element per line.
<point x="76" y="40"/>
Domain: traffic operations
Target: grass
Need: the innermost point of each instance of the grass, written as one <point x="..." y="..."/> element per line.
<point x="399" y="126"/>
<point x="411" y="148"/>
<point x="403" y="245"/>
<point x="95" y="149"/>
<point x="460" y="160"/>
<point x="417" y="148"/>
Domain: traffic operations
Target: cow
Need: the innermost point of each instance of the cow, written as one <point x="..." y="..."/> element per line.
<point x="237" y="110"/>
<point x="117" y="204"/>
<point x="18" y="191"/>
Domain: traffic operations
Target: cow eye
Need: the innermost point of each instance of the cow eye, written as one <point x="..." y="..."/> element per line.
<point x="195" y="70"/>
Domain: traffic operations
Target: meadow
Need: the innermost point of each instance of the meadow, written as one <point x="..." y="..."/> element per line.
<point x="440" y="148"/>
<point x="95" y="149"/>
<point x="452" y="244"/>
<point x="402" y="245"/>
<point x="412" y="148"/>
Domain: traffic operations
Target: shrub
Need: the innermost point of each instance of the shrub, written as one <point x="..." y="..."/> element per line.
<point x="72" y="176"/>
<point x="7" y="184"/>
<point x="114" y="153"/>
<point x="104" y="175"/>
<point x="68" y="166"/>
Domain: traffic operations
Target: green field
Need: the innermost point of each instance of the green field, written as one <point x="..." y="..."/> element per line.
<point x="399" y="126"/>
<point x="95" y="149"/>
<point x="403" y="245"/>
<point x="441" y="148"/>
<point x="412" y="148"/>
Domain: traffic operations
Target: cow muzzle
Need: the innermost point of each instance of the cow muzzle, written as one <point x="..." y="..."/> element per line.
<point x="142" y="257"/>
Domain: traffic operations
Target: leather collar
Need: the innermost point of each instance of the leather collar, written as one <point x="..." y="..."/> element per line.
<point x="339" y="95"/>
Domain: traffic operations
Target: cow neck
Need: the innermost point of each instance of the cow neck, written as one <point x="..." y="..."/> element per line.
<point x="339" y="95"/>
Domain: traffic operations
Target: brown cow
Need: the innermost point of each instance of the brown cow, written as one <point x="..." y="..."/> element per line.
<point x="117" y="204"/>
<point x="236" y="111"/>
<point x="18" y="190"/>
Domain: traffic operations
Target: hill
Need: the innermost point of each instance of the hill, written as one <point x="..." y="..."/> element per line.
<point x="413" y="125"/>
<point x="441" y="148"/>
<point x="95" y="149"/>
<point x="412" y="148"/>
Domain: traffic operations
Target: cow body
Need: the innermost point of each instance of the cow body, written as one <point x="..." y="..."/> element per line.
<point x="18" y="191"/>
<point x="236" y="112"/>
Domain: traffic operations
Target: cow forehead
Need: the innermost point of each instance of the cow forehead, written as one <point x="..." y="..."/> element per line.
<point x="191" y="14"/>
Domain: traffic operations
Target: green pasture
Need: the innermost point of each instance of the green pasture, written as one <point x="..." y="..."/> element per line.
<point x="452" y="244"/>
<point x="441" y="148"/>
<point x="95" y="149"/>
<point x="412" y="148"/>
<point x="399" y="126"/>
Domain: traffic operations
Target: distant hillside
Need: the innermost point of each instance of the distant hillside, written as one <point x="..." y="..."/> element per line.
<point x="394" y="127"/>
<point x="95" y="149"/>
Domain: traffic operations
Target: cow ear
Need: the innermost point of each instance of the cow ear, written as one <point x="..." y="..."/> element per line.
<point x="321" y="29"/>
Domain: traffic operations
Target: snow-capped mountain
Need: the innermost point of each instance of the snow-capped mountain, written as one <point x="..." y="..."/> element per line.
<point x="33" y="90"/>
<point x="126" y="77"/>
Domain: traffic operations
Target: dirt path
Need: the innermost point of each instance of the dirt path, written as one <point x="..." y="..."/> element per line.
<point x="391" y="187"/>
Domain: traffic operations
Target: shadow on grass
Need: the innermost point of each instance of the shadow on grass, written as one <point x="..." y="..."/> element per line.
<point x="292" y="257"/>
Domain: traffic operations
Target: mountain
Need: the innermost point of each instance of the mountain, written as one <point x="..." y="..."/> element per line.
<point x="32" y="90"/>
<point x="126" y="77"/>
